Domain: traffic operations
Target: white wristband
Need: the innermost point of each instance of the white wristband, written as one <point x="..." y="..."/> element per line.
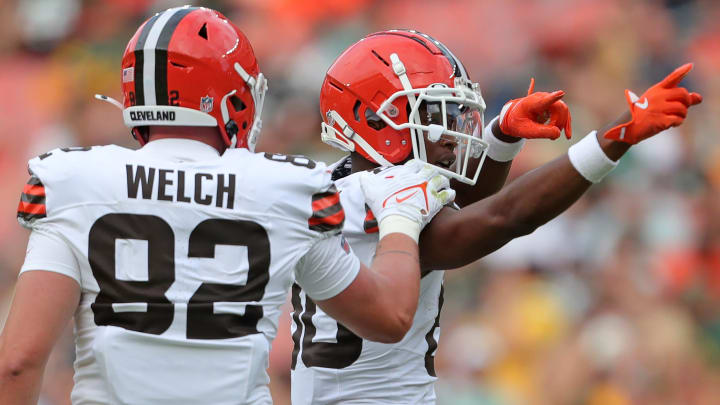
<point x="398" y="223"/>
<point x="500" y="151"/>
<point x="589" y="159"/>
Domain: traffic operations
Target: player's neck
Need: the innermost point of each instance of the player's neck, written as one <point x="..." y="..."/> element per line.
<point x="360" y="164"/>
<point x="206" y="135"/>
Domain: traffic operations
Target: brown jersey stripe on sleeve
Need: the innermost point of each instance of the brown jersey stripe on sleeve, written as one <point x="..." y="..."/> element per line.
<point x="328" y="213"/>
<point x="33" y="198"/>
<point x="329" y="219"/>
<point x="330" y="223"/>
<point x="370" y="225"/>
<point x="34" y="181"/>
<point x="324" y="200"/>
<point x="34" y="187"/>
<point x="334" y="220"/>
<point x="34" y="209"/>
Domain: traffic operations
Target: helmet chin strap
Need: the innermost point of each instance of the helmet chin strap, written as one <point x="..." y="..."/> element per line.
<point x="417" y="139"/>
<point x="230" y="125"/>
<point x="353" y="136"/>
<point x="258" y="87"/>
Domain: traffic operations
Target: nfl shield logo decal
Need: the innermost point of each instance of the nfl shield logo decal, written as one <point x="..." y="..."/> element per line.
<point x="206" y="104"/>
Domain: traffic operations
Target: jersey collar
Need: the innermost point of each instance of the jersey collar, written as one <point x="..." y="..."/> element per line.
<point x="181" y="149"/>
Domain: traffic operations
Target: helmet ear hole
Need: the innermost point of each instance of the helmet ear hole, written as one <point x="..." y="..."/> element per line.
<point x="356" y="110"/>
<point x="237" y="103"/>
<point x="373" y="121"/>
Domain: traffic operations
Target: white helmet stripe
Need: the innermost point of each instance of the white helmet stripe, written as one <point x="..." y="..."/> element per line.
<point x="149" y="55"/>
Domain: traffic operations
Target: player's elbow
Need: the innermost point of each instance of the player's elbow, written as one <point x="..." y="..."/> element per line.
<point x="401" y="326"/>
<point x="393" y="331"/>
<point x="18" y="363"/>
<point x="392" y="326"/>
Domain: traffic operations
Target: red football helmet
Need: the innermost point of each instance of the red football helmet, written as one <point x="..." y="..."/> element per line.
<point x="190" y="66"/>
<point x="390" y="90"/>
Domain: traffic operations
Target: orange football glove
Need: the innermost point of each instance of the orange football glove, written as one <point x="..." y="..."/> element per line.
<point x="662" y="106"/>
<point x="537" y="115"/>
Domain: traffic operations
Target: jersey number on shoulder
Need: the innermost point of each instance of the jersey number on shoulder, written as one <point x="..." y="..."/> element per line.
<point x="118" y="300"/>
<point x="295" y="160"/>
<point x="71" y="149"/>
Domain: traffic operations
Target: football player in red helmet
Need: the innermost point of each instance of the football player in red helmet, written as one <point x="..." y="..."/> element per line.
<point x="175" y="259"/>
<point x="400" y="94"/>
<point x="185" y="83"/>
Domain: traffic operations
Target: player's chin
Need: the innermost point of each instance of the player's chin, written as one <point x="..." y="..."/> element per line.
<point x="446" y="163"/>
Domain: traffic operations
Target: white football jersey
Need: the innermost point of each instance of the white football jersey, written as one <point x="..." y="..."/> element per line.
<point x="331" y="365"/>
<point x="184" y="258"/>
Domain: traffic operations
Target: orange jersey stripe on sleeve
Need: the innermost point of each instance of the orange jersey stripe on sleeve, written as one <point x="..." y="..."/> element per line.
<point x="370" y="225"/>
<point x="34" y="189"/>
<point x="325" y="202"/>
<point x="28" y="208"/>
<point x="332" y="220"/>
<point x="327" y="212"/>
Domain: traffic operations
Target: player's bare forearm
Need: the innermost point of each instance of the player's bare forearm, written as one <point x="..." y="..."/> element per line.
<point x="397" y="263"/>
<point x="380" y="303"/>
<point x="20" y="388"/>
<point x="518" y="209"/>
<point x="492" y="175"/>
<point x="44" y="302"/>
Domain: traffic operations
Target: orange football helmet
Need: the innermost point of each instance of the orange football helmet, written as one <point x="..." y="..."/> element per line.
<point x="386" y="93"/>
<point x="190" y="66"/>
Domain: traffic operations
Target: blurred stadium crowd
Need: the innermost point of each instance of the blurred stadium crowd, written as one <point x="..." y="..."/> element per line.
<point x="616" y="302"/>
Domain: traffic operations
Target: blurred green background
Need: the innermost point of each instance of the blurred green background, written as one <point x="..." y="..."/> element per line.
<point x="615" y="302"/>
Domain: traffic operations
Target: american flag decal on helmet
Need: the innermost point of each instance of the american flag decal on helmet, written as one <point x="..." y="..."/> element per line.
<point x="370" y="225"/>
<point x="32" y="201"/>
<point x="328" y="214"/>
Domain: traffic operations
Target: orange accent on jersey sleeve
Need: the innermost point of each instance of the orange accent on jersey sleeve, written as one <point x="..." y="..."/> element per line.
<point x="34" y="190"/>
<point x="335" y="219"/>
<point x="325" y="202"/>
<point x="370" y="225"/>
<point x="28" y="208"/>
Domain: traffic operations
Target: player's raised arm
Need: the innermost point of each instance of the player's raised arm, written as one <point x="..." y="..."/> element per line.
<point x="542" y="194"/>
<point x="537" y="115"/>
<point x="380" y="303"/>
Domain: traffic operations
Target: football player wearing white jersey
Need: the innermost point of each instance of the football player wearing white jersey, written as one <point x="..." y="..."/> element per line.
<point x="401" y="94"/>
<point x="175" y="258"/>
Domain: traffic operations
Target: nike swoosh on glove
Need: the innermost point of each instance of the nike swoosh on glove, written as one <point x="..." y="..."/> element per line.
<point x="662" y="106"/>
<point x="537" y="115"/>
<point x="414" y="190"/>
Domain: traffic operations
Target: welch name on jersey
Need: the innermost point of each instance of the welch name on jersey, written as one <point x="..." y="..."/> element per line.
<point x="150" y="183"/>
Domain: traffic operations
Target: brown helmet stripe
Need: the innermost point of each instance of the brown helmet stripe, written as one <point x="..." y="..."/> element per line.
<point x="151" y="50"/>
<point x="140" y="60"/>
<point x="161" y="55"/>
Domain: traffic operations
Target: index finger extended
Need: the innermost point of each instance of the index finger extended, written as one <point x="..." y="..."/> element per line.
<point x="674" y="78"/>
<point x="548" y="99"/>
